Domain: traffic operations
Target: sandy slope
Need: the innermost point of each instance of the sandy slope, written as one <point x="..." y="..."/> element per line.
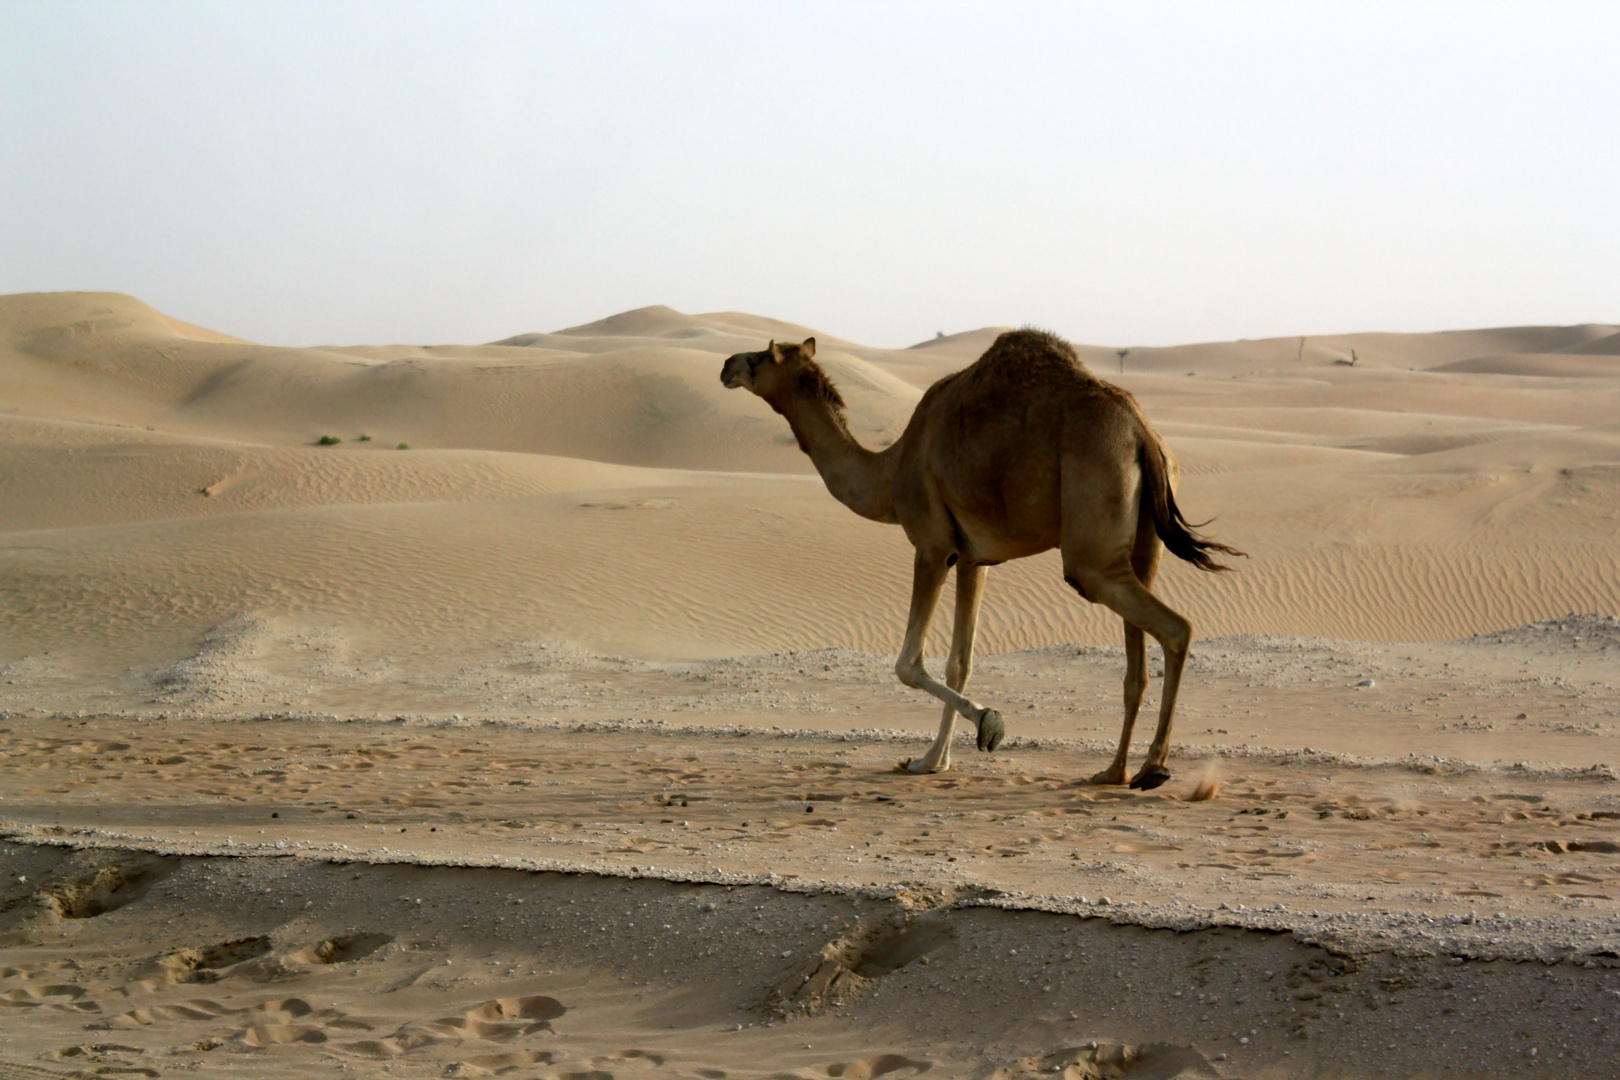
<point x="160" y="480"/>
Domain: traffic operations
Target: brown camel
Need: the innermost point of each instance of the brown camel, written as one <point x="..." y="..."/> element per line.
<point x="1022" y="452"/>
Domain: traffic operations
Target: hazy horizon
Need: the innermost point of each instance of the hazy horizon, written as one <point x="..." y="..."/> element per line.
<point x="1152" y="174"/>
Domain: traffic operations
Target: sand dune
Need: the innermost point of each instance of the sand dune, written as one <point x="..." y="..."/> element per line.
<point x="599" y="485"/>
<point x="1559" y="365"/>
<point x="629" y="400"/>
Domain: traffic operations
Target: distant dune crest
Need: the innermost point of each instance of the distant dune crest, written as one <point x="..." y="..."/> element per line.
<point x="160" y="479"/>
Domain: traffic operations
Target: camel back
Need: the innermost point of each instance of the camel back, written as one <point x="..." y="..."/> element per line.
<point x="1036" y="359"/>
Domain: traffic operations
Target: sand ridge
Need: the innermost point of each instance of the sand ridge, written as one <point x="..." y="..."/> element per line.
<point x="1384" y="501"/>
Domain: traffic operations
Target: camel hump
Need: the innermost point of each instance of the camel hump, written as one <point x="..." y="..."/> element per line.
<point x="1029" y="345"/>
<point x="1020" y="361"/>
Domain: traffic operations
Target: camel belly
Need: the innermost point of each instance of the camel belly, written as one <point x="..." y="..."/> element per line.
<point x="985" y="543"/>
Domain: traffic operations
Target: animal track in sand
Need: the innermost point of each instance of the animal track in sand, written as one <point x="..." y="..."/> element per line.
<point x="846" y="966"/>
<point x="342" y="949"/>
<point x="44" y="969"/>
<point x="280" y="1035"/>
<point x="882" y="1065"/>
<point x="284" y="1010"/>
<point x="100" y="1053"/>
<point x="62" y="996"/>
<point x="95" y="890"/>
<point x="1109" y="1061"/>
<point x="497" y="1020"/>
<point x="623" y="1057"/>
<point x="504" y="1018"/>
<point x="196" y="1009"/>
<point x="396" y="1045"/>
<point x="496" y="1064"/>
<point x="201" y="965"/>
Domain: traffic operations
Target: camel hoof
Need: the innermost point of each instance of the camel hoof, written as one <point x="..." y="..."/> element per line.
<point x="1150" y="777"/>
<point x="917" y="767"/>
<point x="991" y="730"/>
<point x="1109" y="776"/>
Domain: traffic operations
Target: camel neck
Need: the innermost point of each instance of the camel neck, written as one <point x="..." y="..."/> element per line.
<point x="861" y="479"/>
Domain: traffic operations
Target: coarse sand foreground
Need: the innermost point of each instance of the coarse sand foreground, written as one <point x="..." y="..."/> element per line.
<point x="644" y="899"/>
<point x="117" y="961"/>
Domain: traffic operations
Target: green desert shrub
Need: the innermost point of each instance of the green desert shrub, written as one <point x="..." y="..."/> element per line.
<point x="328" y="440"/>
<point x="404" y="446"/>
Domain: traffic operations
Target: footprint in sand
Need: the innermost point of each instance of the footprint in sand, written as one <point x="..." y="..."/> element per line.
<point x="342" y="949"/>
<point x="102" y="1054"/>
<point x="503" y="1018"/>
<point x="396" y="1045"/>
<point x="198" y="1009"/>
<point x="280" y="1035"/>
<point x="1142" y="848"/>
<point x="496" y="1064"/>
<point x="36" y="971"/>
<point x="206" y="964"/>
<point x="1109" y="1061"/>
<point x="287" y="1021"/>
<point x="629" y="1057"/>
<point x="283" y="1011"/>
<point x="61" y="996"/>
<point x="882" y="1065"/>
<point x="497" y="1020"/>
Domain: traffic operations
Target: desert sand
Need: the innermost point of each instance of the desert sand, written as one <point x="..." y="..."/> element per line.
<point x="544" y="723"/>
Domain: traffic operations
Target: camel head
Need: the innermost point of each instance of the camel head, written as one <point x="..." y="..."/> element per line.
<point x="780" y="372"/>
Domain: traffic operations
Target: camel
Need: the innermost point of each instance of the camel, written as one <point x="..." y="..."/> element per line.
<point x="1021" y="452"/>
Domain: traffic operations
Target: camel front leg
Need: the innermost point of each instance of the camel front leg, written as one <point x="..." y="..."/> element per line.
<point x="1135" y="687"/>
<point x="928" y="579"/>
<point x="969" y="587"/>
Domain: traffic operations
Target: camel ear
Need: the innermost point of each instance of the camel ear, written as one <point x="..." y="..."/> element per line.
<point x="808" y="349"/>
<point x="775" y="351"/>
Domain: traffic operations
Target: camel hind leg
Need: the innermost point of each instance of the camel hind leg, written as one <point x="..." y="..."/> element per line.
<point x="1112" y="560"/>
<point x="1135" y="687"/>
<point x="1140" y="608"/>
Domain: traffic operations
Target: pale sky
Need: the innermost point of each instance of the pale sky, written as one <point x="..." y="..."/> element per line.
<point x="1125" y="173"/>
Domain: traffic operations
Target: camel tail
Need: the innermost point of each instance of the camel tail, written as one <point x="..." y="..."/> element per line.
<point x="1179" y="535"/>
